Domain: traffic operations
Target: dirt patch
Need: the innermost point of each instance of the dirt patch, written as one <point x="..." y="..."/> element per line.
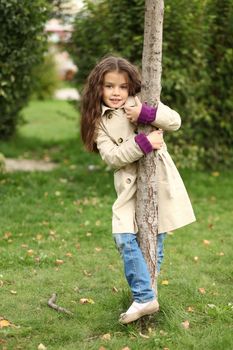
<point x="12" y="165"/>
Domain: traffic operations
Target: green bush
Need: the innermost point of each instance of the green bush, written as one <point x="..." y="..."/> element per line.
<point x="22" y="43"/>
<point x="45" y="78"/>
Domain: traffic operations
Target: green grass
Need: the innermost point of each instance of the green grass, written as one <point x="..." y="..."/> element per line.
<point x="66" y="214"/>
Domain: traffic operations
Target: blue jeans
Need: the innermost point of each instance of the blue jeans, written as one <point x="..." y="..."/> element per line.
<point x="135" y="268"/>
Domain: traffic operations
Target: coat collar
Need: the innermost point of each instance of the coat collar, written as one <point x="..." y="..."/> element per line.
<point x="129" y="102"/>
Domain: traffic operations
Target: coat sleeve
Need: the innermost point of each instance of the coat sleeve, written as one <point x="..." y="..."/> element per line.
<point x="116" y="155"/>
<point x="166" y="118"/>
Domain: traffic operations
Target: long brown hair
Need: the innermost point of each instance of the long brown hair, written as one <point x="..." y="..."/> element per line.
<point x="92" y="95"/>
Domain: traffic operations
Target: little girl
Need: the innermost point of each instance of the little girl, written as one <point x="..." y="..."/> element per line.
<point x="111" y="112"/>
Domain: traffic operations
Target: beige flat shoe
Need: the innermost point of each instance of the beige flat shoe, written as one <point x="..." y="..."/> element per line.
<point x="149" y="309"/>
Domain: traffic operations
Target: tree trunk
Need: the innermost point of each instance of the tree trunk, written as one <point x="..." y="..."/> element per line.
<point x="147" y="203"/>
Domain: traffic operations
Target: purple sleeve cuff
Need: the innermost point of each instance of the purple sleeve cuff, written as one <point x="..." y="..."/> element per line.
<point x="143" y="143"/>
<point x="147" y="114"/>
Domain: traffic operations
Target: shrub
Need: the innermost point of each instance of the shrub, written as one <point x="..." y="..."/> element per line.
<point x="45" y="78"/>
<point x="22" y="43"/>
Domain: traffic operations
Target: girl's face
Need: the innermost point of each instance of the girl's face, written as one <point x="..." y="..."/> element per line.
<point x="115" y="89"/>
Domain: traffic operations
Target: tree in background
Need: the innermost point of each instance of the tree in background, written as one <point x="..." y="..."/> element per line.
<point x="22" y="44"/>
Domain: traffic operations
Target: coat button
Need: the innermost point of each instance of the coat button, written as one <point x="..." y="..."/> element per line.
<point x="128" y="180"/>
<point x="120" y="140"/>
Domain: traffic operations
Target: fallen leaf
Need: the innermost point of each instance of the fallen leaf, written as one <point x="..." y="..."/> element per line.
<point x="86" y="301"/>
<point x="88" y="234"/>
<point x="24" y="245"/>
<point x="98" y="249"/>
<point x="4" y="323"/>
<point x="57" y="193"/>
<point x="39" y="237"/>
<point x="190" y="309"/>
<point x="59" y="262"/>
<point x="13" y="292"/>
<point x="69" y="255"/>
<point x="165" y="283"/>
<point x="41" y="347"/>
<point x="211" y="306"/>
<point x="126" y="348"/>
<point x="185" y="324"/>
<point x="77" y="246"/>
<point x="86" y="273"/>
<point x="165" y="348"/>
<point x="106" y="336"/>
<point x="144" y="335"/>
<point x="30" y="252"/>
<point x="161" y="332"/>
<point x="7" y="235"/>
<point x="201" y="290"/>
<point x="206" y="242"/>
<point x="114" y="289"/>
<point x="215" y="173"/>
<point x="98" y="223"/>
<point x="220" y="254"/>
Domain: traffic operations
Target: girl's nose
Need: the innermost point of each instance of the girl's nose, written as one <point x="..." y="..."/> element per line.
<point x="116" y="91"/>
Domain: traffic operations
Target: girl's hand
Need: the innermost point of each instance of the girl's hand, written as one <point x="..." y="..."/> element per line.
<point x="132" y="113"/>
<point x="156" y="139"/>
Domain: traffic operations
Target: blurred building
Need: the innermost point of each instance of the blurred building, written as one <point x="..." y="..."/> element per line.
<point x="60" y="33"/>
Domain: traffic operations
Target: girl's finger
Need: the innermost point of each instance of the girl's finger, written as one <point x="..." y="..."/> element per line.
<point x="138" y="102"/>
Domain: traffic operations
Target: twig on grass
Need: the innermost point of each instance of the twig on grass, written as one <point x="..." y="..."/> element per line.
<point x="53" y="305"/>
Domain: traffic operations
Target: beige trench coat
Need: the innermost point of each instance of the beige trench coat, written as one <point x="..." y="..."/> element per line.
<point x="117" y="147"/>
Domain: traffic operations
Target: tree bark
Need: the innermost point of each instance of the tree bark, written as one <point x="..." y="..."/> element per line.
<point x="147" y="202"/>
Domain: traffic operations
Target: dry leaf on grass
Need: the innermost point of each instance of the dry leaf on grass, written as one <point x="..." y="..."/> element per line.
<point x="30" y="252"/>
<point x="185" y="324"/>
<point x="126" y="348"/>
<point x="5" y="323"/>
<point x="144" y="335"/>
<point x="86" y="301"/>
<point x="41" y="347"/>
<point x="69" y="255"/>
<point x="165" y="283"/>
<point x="98" y="249"/>
<point x="206" y="242"/>
<point x="215" y="173"/>
<point x="86" y="273"/>
<point x="13" y="292"/>
<point x="211" y="306"/>
<point x="190" y="309"/>
<point x="201" y="290"/>
<point x="59" y="262"/>
<point x="106" y="336"/>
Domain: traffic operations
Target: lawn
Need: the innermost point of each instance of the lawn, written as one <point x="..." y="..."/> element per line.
<point x="55" y="236"/>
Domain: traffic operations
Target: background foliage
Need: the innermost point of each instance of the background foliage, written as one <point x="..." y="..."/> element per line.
<point x="197" y="67"/>
<point x="22" y="43"/>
